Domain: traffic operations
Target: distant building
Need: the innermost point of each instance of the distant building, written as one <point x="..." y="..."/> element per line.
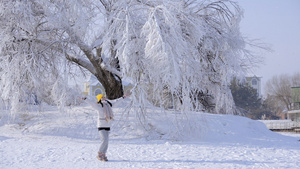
<point x="294" y="114"/>
<point x="255" y="82"/>
<point x="93" y="87"/>
<point x="296" y="97"/>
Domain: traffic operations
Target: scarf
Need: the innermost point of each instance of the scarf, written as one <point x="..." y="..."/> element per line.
<point x="108" y="112"/>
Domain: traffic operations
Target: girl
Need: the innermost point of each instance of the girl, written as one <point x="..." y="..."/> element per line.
<point x="105" y="116"/>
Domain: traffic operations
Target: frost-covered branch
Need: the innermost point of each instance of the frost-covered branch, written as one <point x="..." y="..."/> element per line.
<point x="83" y="63"/>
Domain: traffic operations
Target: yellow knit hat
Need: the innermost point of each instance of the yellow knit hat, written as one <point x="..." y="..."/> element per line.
<point x="99" y="96"/>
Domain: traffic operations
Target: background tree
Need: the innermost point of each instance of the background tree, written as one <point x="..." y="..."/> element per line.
<point x="275" y="108"/>
<point x="278" y="90"/>
<point x="246" y="99"/>
<point x="188" y="49"/>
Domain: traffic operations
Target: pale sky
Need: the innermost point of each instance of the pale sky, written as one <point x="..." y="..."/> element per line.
<point x="276" y="23"/>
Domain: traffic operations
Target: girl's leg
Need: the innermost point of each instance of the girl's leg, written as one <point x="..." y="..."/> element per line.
<point x="103" y="141"/>
<point x="103" y="145"/>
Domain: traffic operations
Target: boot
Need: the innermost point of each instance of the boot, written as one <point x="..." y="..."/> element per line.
<point x="101" y="157"/>
<point x="104" y="157"/>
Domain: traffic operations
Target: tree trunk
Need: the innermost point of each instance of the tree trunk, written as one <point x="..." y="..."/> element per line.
<point x="111" y="83"/>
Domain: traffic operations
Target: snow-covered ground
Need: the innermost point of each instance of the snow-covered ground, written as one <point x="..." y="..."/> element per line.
<point x="51" y="139"/>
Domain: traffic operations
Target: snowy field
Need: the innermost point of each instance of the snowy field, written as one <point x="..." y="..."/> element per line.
<point x="52" y="139"/>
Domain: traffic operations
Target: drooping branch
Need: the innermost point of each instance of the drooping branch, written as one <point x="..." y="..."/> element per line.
<point x="107" y="75"/>
<point x="82" y="63"/>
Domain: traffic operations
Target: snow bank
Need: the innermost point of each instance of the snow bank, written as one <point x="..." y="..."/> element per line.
<point x="236" y="129"/>
<point x="213" y="128"/>
<point x="80" y="123"/>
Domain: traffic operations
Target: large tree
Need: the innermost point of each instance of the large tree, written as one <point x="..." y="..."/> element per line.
<point x="189" y="49"/>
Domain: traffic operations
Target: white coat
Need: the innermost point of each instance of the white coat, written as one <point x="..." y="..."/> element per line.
<point x="101" y="121"/>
